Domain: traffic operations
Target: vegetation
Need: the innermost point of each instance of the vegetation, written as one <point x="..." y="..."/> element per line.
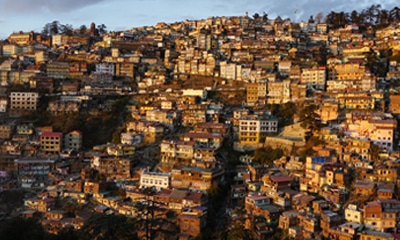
<point x="371" y="16"/>
<point x="20" y="228"/>
<point x="267" y="155"/>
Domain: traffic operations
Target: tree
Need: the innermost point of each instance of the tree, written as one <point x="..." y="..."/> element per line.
<point x="319" y="17"/>
<point x="109" y="226"/>
<point x="311" y="19"/>
<point x="54" y="27"/>
<point x="238" y="232"/>
<point x="82" y="29"/>
<point x="310" y="120"/>
<point x="395" y="14"/>
<point x="267" y="155"/>
<point x="66" y="29"/>
<point x="101" y="29"/>
<point x="265" y="17"/>
<point x="256" y="16"/>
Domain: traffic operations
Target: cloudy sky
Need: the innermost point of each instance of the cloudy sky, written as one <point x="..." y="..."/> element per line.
<point x="27" y="15"/>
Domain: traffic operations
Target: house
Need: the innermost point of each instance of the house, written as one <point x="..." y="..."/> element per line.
<point x="41" y="83"/>
<point x="180" y="199"/>
<point x="3" y="104"/>
<point x="376" y="235"/>
<point x="192" y="221"/>
<point x="288" y="219"/>
<point x="365" y="187"/>
<point x="253" y="201"/>
<point x="112" y="167"/>
<point x="353" y="214"/>
<point x="6" y="131"/>
<point x="154" y="179"/>
<point x="204" y="139"/>
<point x="46" y="204"/>
<point x="195" y="177"/>
<point x="57" y="70"/>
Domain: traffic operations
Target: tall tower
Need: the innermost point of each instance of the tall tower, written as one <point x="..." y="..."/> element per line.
<point x="92" y="29"/>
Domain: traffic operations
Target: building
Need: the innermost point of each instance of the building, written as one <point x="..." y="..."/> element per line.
<point x="57" y="70"/>
<point x="21" y="38"/>
<point x="3" y="104"/>
<point x="6" y="131"/>
<point x="125" y="69"/>
<point x="314" y="78"/>
<point x="256" y="93"/>
<point x="154" y="179"/>
<point x="253" y="129"/>
<point x="192" y="222"/>
<point x="73" y="140"/>
<point x="112" y="167"/>
<point x="51" y="142"/>
<point x="33" y="172"/>
<point x="24" y="100"/>
<point x="195" y="178"/>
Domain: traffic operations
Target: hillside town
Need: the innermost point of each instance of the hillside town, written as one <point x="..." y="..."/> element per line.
<point x="240" y="127"/>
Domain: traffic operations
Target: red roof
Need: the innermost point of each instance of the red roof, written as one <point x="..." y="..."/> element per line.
<point x="51" y="134"/>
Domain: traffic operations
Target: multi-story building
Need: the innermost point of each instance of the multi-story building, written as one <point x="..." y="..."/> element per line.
<point x="31" y="171"/>
<point x="195" y="178"/>
<point x="105" y="68"/>
<point x="73" y="140"/>
<point x="24" y="100"/>
<point x="256" y="93"/>
<point x="11" y="49"/>
<point x="6" y="131"/>
<point x="51" y="142"/>
<point x="204" y="139"/>
<point x="347" y="71"/>
<point x="21" y="38"/>
<point x="154" y="179"/>
<point x="125" y="69"/>
<point x="192" y="222"/>
<point x="41" y="83"/>
<point x="112" y="167"/>
<point x="254" y="129"/>
<point x="314" y="77"/>
<point x="177" y="150"/>
<point x="57" y="70"/>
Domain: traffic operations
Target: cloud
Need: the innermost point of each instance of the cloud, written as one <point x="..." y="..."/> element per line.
<point x="53" y="6"/>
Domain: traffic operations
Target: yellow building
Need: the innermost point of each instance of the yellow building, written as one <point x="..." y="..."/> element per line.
<point x="51" y="142"/>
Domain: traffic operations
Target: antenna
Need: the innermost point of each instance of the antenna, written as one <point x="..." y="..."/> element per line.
<point x="296" y="11"/>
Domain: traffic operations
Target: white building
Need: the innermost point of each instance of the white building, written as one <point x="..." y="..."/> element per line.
<point x="131" y="138"/>
<point x="202" y="93"/>
<point x="107" y="68"/>
<point x="155" y="179"/>
<point x="73" y="140"/>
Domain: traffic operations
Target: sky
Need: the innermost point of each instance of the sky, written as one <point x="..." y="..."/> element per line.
<point x="118" y="15"/>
